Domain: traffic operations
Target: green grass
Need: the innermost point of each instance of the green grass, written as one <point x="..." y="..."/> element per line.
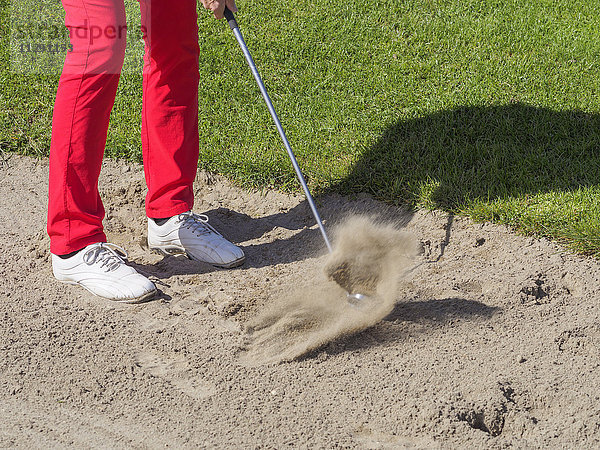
<point x="485" y="108"/>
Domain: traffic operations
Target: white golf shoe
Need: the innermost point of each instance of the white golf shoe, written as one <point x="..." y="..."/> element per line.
<point x="101" y="270"/>
<point x="191" y="234"/>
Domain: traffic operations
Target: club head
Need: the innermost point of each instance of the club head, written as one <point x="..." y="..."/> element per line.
<point x="357" y="300"/>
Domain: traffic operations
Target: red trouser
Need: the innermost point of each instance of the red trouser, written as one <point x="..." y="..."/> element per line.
<point x="85" y="97"/>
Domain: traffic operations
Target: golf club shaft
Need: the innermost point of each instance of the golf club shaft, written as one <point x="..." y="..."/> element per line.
<point x="238" y="35"/>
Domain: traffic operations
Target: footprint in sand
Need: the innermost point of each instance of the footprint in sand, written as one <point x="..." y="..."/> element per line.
<point x="176" y="372"/>
<point x="147" y="322"/>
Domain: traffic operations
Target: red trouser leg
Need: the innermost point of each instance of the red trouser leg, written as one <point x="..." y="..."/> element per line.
<point x="170" y="105"/>
<point x="85" y="96"/>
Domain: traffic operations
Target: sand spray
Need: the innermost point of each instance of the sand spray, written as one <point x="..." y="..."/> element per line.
<point x="369" y="257"/>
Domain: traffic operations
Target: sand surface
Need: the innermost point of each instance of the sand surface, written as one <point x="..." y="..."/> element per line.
<point x="493" y="339"/>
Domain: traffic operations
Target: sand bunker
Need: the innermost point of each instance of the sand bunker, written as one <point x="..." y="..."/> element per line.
<point x="368" y="258"/>
<point x="493" y="340"/>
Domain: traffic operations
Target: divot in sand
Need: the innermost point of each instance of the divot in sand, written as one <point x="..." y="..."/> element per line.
<point x="368" y="258"/>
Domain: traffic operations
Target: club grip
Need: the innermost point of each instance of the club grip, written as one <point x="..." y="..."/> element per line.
<point x="230" y="18"/>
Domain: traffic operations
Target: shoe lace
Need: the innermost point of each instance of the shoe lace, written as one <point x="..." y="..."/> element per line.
<point x="109" y="256"/>
<point x="198" y="223"/>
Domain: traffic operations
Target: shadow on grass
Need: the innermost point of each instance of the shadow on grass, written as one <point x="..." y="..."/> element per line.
<point x="444" y="160"/>
<point x="447" y="159"/>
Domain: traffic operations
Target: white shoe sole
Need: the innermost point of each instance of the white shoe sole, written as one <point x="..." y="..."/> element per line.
<point x="131" y="301"/>
<point x="174" y="251"/>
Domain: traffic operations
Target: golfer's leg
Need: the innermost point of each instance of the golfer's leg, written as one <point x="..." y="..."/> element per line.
<point x="170" y="109"/>
<point x="84" y="99"/>
<point x="170" y="135"/>
<point x="85" y="96"/>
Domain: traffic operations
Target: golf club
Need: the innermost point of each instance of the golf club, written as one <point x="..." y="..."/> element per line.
<point x="353" y="298"/>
